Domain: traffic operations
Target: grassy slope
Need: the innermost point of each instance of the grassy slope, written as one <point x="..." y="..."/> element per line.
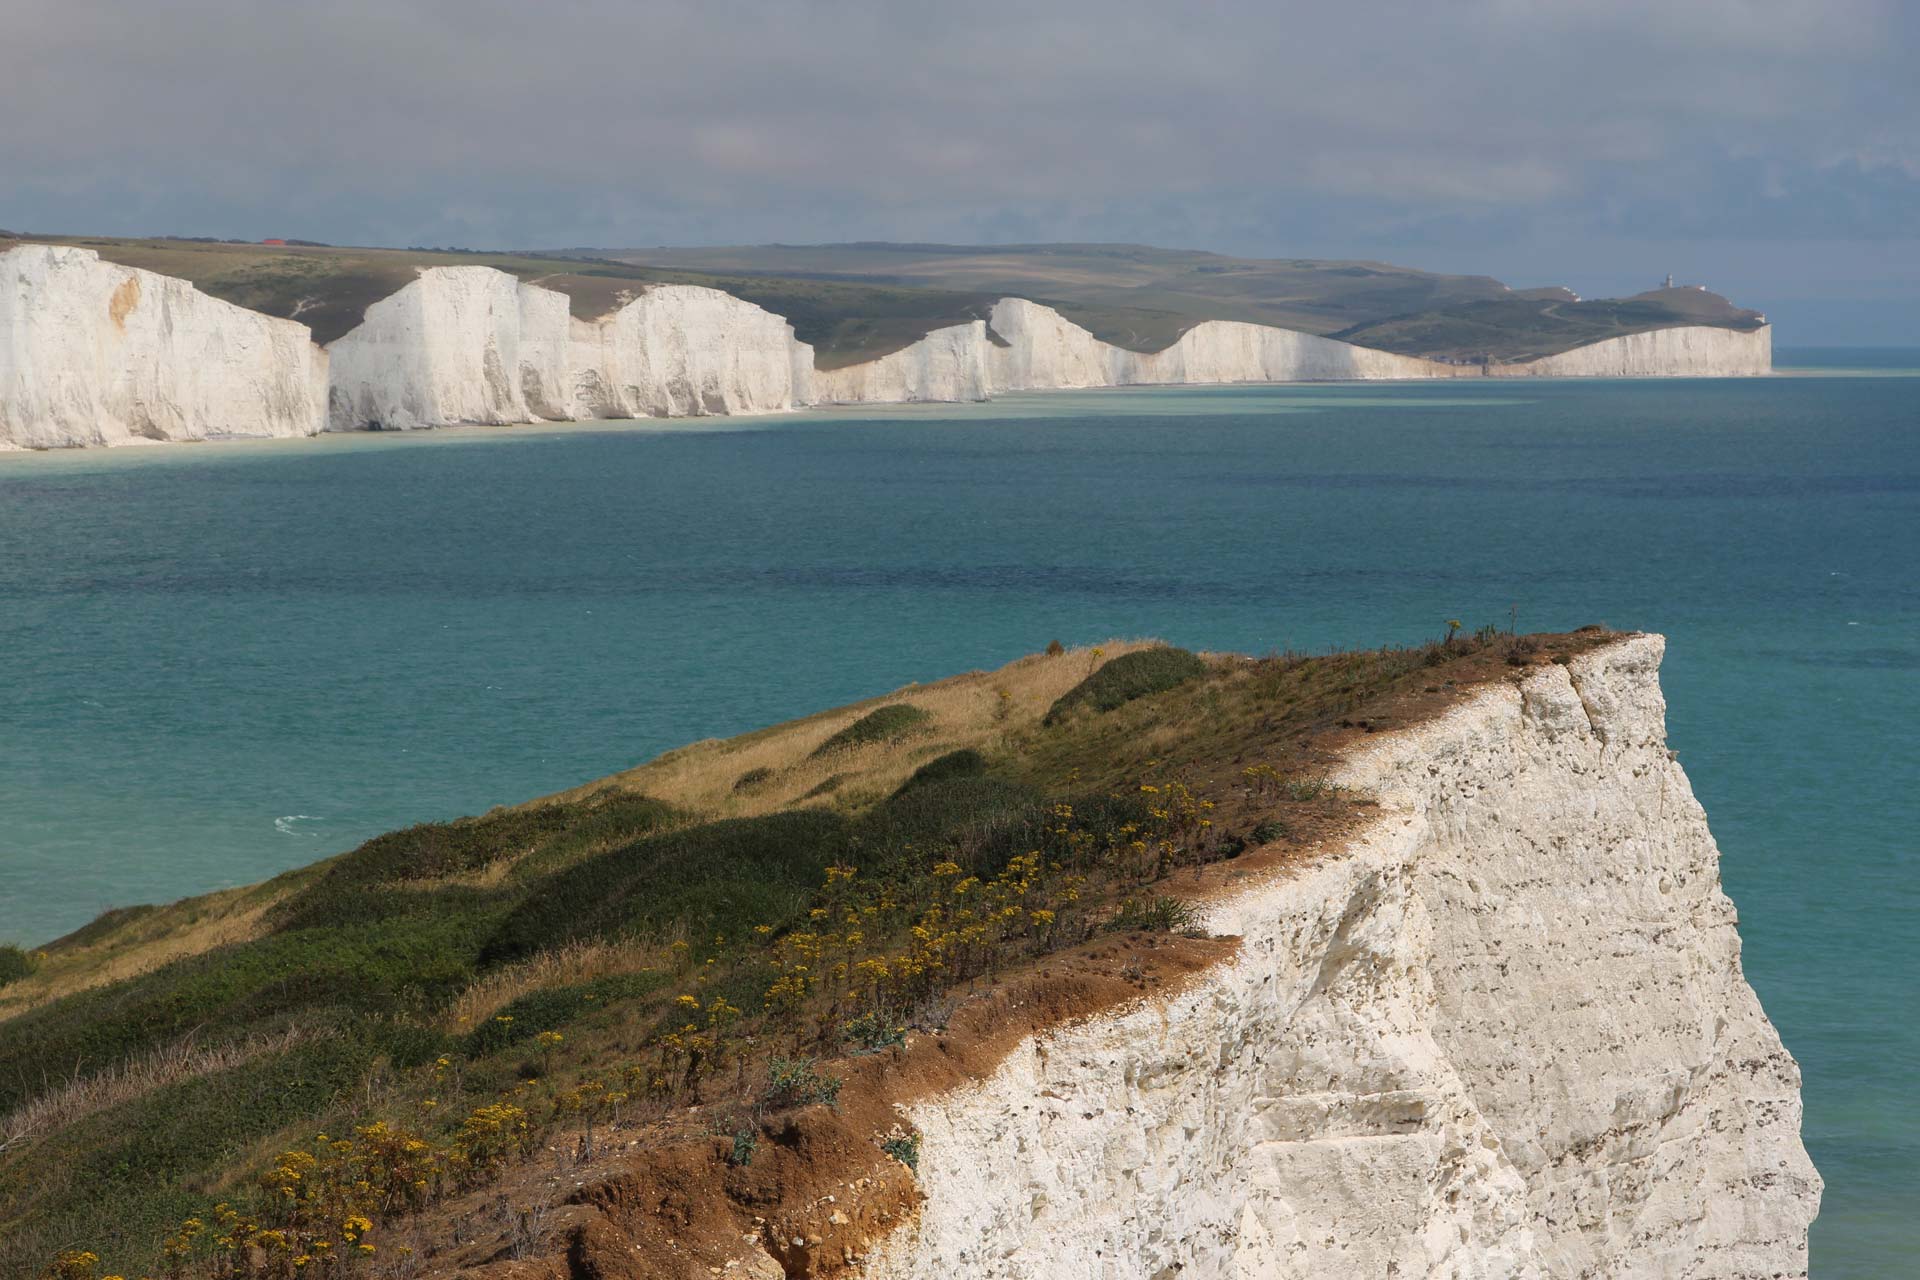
<point x="329" y="289"/>
<point x="1143" y="298"/>
<point x="1526" y="328"/>
<point x="169" y="1054"/>
<point x="858" y="302"/>
<point x="1101" y="285"/>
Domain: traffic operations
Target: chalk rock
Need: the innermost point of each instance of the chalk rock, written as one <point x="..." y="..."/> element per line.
<point x="92" y="353"/>
<point x="682" y="351"/>
<point x="1502" y="1032"/>
<point x="948" y="364"/>
<point x="1689" y="351"/>
<point x="475" y="345"/>
<point x="1045" y="350"/>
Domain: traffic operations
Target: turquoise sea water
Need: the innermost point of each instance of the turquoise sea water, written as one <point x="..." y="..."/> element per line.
<point x="222" y="661"/>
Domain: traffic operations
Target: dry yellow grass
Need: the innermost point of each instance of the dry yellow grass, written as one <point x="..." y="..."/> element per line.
<point x="968" y="710"/>
<point x="144" y="942"/>
<point x="83" y="1096"/>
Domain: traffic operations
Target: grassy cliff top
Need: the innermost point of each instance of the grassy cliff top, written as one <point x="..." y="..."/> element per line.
<point x="329" y="288"/>
<point x="1526" y="328"/>
<point x="1143" y="298"/>
<point x="1089" y="280"/>
<point x="858" y="302"/>
<point x="706" y="980"/>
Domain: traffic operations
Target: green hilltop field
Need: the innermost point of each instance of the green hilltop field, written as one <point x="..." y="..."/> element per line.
<point x="858" y="302"/>
<point x="1143" y="298"/>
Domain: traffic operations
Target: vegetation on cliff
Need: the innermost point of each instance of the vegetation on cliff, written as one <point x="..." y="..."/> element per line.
<point x="422" y="1048"/>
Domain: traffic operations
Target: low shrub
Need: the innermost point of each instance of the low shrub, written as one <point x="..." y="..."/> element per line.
<point x="1156" y="915"/>
<point x="964" y="763"/>
<point x="1127" y="677"/>
<point x="956" y="811"/>
<point x="886" y="724"/>
<point x="718" y="878"/>
<point x="15" y="964"/>
<point x="358" y="883"/>
<point x="745" y="1143"/>
<point x="753" y="778"/>
<point x="905" y="1148"/>
<point x="796" y="1082"/>
<point x="538" y="1011"/>
<point x="873" y="1032"/>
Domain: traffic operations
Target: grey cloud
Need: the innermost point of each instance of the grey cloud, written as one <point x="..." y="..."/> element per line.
<point x="1398" y="130"/>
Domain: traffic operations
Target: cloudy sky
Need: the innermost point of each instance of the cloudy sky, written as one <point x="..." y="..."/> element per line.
<point x="1770" y="148"/>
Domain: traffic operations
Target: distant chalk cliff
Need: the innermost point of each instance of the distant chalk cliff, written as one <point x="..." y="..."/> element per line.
<point x="97" y="354"/>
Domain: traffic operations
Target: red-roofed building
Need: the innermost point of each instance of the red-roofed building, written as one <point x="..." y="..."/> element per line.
<point x="278" y="242"/>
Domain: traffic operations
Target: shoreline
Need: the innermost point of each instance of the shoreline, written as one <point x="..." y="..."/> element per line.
<point x="876" y="410"/>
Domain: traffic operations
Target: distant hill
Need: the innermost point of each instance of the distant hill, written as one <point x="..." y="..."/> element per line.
<point x="1521" y="327"/>
<point x="1143" y="298"/>
<point x="857" y="302"/>
<point x="1133" y="296"/>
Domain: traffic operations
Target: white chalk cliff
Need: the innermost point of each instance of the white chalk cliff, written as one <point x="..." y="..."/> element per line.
<point x="1688" y="351"/>
<point x="475" y="345"/>
<point x="1029" y="347"/>
<point x="97" y="354"/>
<point x="1501" y="1032"/>
<point x="948" y="364"/>
<point x="1047" y="350"/>
<point x="93" y="353"/>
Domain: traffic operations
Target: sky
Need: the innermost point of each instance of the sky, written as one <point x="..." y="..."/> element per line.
<point x="1767" y="148"/>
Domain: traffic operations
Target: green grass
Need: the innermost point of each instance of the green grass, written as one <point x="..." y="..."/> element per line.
<point x="1136" y="296"/>
<point x="554" y="1007"/>
<point x="1519" y="328"/>
<point x="117" y="1181"/>
<point x="718" y="879"/>
<point x="1130" y="676"/>
<point x="383" y="967"/>
<point x="887" y="724"/>
<point x="1155" y="914"/>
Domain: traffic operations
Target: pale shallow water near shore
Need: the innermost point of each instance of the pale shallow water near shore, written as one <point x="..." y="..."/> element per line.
<point x="228" y="659"/>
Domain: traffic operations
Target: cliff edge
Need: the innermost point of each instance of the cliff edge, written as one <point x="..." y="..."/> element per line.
<point x="1115" y="962"/>
<point x="1502" y="1032"/>
<point x="97" y="354"/>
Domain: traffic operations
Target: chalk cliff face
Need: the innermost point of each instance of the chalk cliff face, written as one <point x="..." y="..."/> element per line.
<point x="681" y="351"/>
<point x="1696" y="351"/>
<point x="1038" y="349"/>
<point x="1046" y="350"/>
<point x="1503" y="1032"/>
<point x="475" y="345"/>
<point x="448" y="348"/>
<point x="948" y="364"/>
<point x="92" y="353"/>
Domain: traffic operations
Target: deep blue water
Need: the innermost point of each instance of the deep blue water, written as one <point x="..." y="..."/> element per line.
<point x="223" y="661"/>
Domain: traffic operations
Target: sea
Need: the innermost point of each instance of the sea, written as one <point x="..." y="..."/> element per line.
<point x="222" y="661"/>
